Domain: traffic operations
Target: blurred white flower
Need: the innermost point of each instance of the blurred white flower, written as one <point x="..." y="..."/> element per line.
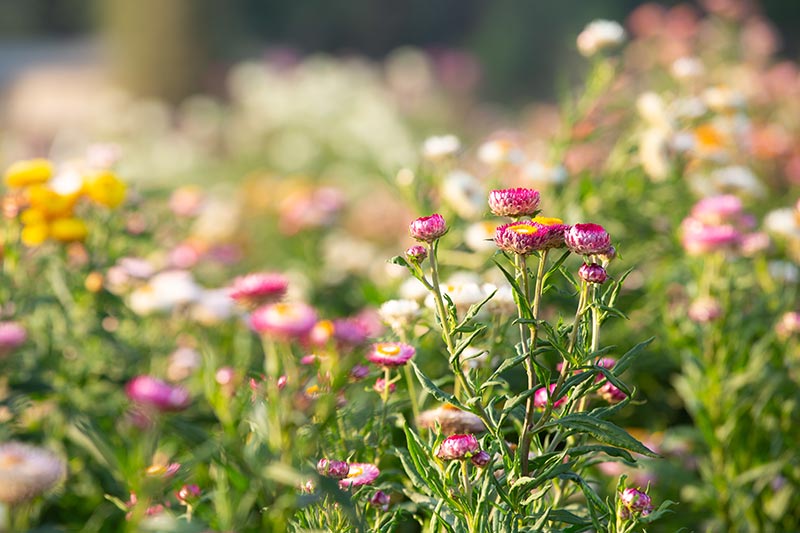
<point x="164" y="292"/>
<point x="687" y="68"/>
<point x="399" y="314"/>
<point x="722" y="99"/>
<point x="653" y="153"/>
<point x="464" y="194"/>
<point x="600" y="35"/>
<point x="783" y="271"/>
<point x="479" y="236"/>
<point x="439" y="147"/>
<point x="502" y="303"/>
<point x="463" y="295"/>
<point x="783" y="222"/>
<point x="542" y="175"/>
<point x="500" y="151"/>
<point x="213" y="306"/>
<point x="412" y="289"/>
<point x="652" y="109"/>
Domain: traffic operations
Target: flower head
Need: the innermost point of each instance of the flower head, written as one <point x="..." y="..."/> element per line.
<point x="700" y="239"/>
<point x="635" y="503"/>
<point x="29" y="172"/>
<point x="521" y="238"/>
<point x="259" y="288"/>
<point x="153" y="392"/>
<point x="381" y="500"/>
<point x="587" y="239"/>
<point x="288" y="320"/>
<point x="334" y="469"/>
<point x="27" y="471"/>
<point x="519" y="202"/>
<point x="554" y="229"/>
<point x="359" y="474"/>
<point x="188" y="493"/>
<point x="717" y="210"/>
<point x="428" y="229"/>
<point x="390" y="354"/>
<point x="600" y="35"/>
<point x="451" y="419"/>
<point x="541" y="396"/>
<point x="458" y="447"/>
<point x="592" y="273"/>
<point x="12" y="336"/>
<point x="481" y="459"/>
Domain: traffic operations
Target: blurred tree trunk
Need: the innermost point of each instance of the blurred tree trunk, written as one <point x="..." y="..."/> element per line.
<point x="159" y="48"/>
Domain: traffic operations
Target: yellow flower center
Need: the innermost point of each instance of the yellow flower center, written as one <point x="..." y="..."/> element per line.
<point x="708" y="136"/>
<point x="547" y="221"/>
<point x="355" y="471"/>
<point x="389" y="349"/>
<point x="523" y="229"/>
<point x="313" y="389"/>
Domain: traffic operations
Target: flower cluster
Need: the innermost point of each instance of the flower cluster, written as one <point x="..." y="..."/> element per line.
<point x="46" y="198"/>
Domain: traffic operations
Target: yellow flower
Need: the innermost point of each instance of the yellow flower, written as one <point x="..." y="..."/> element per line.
<point x="34" y="234"/>
<point x="32" y="216"/>
<point x="106" y="189"/>
<point x="29" y="172"/>
<point x="49" y="202"/>
<point x="547" y="221"/>
<point x="68" y="229"/>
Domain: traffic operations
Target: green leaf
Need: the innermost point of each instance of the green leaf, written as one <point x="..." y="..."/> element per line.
<point x="473" y="310"/>
<point x="663" y="509"/>
<point x="553" y="269"/>
<point x="465" y="343"/>
<point x="603" y="431"/>
<point x="625" y="361"/>
<point x="519" y="296"/>
<point x="608" y="450"/>
<point x="433" y="390"/>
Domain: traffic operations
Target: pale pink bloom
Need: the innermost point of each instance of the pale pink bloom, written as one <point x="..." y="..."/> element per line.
<point x="152" y="392"/>
<point x="416" y="254"/>
<point x="699" y="239"/>
<point x="12" y="336"/>
<point x="428" y="229"/>
<point x="359" y="474"/>
<point x="481" y="459"/>
<point x="259" y="288"/>
<point x="390" y="354"/>
<point x="284" y="320"/>
<point x="718" y="210"/>
<point x="514" y="203"/>
<point x="458" y="447"/>
<point x="27" y="471"/>
<point x="704" y="310"/>
<point x="587" y="239"/>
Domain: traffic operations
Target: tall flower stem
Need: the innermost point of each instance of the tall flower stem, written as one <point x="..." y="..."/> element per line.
<point x="412" y="392"/>
<point x="530" y="409"/>
<point x="385" y="402"/>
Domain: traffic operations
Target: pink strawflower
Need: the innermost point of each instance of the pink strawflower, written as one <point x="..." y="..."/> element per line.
<point x="428" y="229"/>
<point x="360" y="474"/>
<point x="286" y="320"/>
<point x="390" y="354"/>
<point x="704" y="310"/>
<point x="458" y="447"/>
<point x="699" y="239"/>
<point x="350" y="332"/>
<point x="259" y="288"/>
<point x="152" y="392"/>
<point x="554" y="230"/>
<point x="592" y="273"/>
<point x="515" y="203"/>
<point x="481" y="459"/>
<point x="752" y="244"/>
<point x="188" y="494"/>
<point x="380" y="385"/>
<point x="334" y="469"/>
<point x="380" y="500"/>
<point x="587" y="239"/>
<point x="540" y="397"/>
<point x="521" y="238"/>
<point x="635" y="503"/>
<point x="718" y="210"/>
<point x="12" y="336"/>
<point x="416" y="254"/>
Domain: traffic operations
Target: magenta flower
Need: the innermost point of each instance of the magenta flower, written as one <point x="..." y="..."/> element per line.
<point x="380" y="385"/>
<point x="334" y="469"/>
<point x="286" y="320"/>
<point x="259" y="288"/>
<point x="541" y="395"/>
<point x="521" y="238"/>
<point x="587" y="239"/>
<point x="428" y="229"/>
<point x="416" y="254"/>
<point x="380" y="500"/>
<point x="718" y="210"/>
<point x="458" y="447"/>
<point x="12" y="336"/>
<point x="350" y="332"/>
<point x="592" y="273"/>
<point x="515" y="203"/>
<point x="152" y="392"/>
<point x="390" y="354"/>
<point x="554" y="230"/>
<point x="481" y="459"/>
<point x="359" y="372"/>
<point x="699" y="239"/>
<point x="360" y="474"/>
<point x="188" y="494"/>
<point x="635" y="503"/>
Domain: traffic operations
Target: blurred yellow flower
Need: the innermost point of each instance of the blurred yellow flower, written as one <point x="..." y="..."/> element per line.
<point x="68" y="229"/>
<point x="29" y="172"/>
<point x="49" y="202"/>
<point x="105" y="188"/>
<point x="32" y="216"/>
<point x="34" y="234"/>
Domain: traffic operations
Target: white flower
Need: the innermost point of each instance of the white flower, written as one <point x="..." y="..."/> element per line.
<point x="687" y="68"/>
<point x="412" y="289"/>
<point x="399" y="314"/>
<point x="783" y="222"/>
<point x="502" y="303"/>
<point x="213" y="306"/>
<point x="182" y="363"/>
<point x="652" y="109"/>
<point x="439" y="147"/>
<point x="164" y="292"/>
<point x="737" y="178"/>
<point x="500" y="151"/>
<point x="600" y="35"/>
<point x="690" y="108"/>
<point x="463" y="295"/>
<point x="723" y="99"/>
<point x="465" y="194"/>
<point x="783" y="271"/>
<point x="653" y="153"/>
<point x="474" y="357"/>
<point x="479" y="236"/>
<point x="543" y="175"/>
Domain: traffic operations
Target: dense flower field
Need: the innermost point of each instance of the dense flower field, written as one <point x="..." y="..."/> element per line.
<point x="587" y="323"/>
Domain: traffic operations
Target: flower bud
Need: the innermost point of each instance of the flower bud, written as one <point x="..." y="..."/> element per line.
<point x="380" y="500"/>
<point x="458" y="447"/>
<point x="587" y="239"/>
<point x="592" y="273"/>
<point x="428" y="229"/>
<point x="635" y="503"/>
<point x="416" y="254"/>
<point x="334" y="469"/>
<point x="481" y="459"/>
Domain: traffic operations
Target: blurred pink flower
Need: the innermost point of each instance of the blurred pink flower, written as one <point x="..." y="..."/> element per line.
<point x="152" y="392"/>
<point x="359" y="474"/>
<point x="289" y="320"/>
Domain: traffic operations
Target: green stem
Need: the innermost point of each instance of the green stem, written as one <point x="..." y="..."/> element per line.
<point x="412" y="392"/>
